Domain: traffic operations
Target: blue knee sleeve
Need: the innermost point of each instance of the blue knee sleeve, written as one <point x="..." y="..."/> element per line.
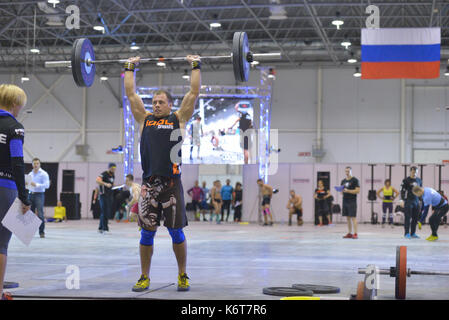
<point x="177" y="235"/>
<point x="147" y="237"/>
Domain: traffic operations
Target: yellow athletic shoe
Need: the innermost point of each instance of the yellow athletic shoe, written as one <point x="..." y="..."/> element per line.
<point x="142" y="284"/>
<point x="432" y="238"/>
<point x="183" y="282"/>
<point x="419" y="225"/>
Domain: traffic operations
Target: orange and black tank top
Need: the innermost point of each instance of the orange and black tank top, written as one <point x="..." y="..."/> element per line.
<point x="160" y="146"/>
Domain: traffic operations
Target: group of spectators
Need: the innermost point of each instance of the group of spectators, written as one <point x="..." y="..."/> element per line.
<point x="415" y="202"/>
<point x="216" y="201"/>
<point x="220" y="199"/>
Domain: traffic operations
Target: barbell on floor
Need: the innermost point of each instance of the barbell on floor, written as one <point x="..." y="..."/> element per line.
<point x="400" y="272"/>
<point x="83" y="60"/>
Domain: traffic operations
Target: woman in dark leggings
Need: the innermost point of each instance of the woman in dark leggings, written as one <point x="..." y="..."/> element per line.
<point x="12" y="181"/>
<point x="237" y="202"/>
<point x="389" y="194"/>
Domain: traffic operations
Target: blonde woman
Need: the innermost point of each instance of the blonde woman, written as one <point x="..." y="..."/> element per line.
<point x="12" y="176"/>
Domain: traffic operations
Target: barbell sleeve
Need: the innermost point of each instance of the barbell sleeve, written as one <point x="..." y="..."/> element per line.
<point x="381" y="271"/>
<point x="57" y="64"/>
<point x="430" y="273"/>
<point x="409" y="272"/>
<point x="262" y="55"/>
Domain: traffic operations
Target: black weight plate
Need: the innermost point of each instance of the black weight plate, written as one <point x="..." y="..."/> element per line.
<point x="75" y="71"/>
<point x="317" y="288"/>
<point x="286" y="292"/>
<point x="244" y="64"/>
<point x="10" y="285"/>
<point x="83" y="74"/>
<point x="236" y="56"/>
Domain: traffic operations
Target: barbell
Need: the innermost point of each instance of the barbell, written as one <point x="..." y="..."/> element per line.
<point x="83" y="60"/>
<point x="400" y="272"/>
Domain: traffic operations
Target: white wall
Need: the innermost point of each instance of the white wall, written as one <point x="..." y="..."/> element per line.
<point x="360" y="118"/>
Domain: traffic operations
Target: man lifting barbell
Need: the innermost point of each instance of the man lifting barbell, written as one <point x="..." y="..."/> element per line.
<point x="160" y="148"/>
<point x="433" y="198"/>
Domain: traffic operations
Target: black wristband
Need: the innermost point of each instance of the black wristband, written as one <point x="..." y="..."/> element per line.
<point x="196" y="65"/>
<point x="129" y="66"/>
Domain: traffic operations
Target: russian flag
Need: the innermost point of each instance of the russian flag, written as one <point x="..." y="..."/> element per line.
<point x="394" y="53"/>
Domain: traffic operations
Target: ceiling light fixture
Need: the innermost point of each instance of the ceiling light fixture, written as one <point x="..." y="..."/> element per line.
<point x="53" y="2"/>
<point x="272" y="74"/>
<point x="104" y="77"/>
<point x="134" y="46"/>
<point x="277" y="13"/>
<point x="161" y="62"/>
<point x="352" y="59"/>
<point x="338" y="22"/>
<point x="215" y="24"/>
<point x="346" y="43"/>
<point x="98" y="26"/>
<point x="186" y="75"/>
<point x="25" y="77"/>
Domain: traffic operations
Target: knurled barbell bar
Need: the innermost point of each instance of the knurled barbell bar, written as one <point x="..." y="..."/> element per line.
<point x="400" y="272"/>
<point x="83" y="60"/>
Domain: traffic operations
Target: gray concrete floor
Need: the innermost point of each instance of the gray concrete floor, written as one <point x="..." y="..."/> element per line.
<point x="227" y="261"/>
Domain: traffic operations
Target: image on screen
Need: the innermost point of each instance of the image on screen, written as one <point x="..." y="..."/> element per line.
<point x="216" y="136"/>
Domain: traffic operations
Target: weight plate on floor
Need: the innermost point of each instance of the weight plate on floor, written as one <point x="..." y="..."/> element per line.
<point x="317" y="288"/>
<point x="10" y="285"/>
<point x="286" y="292"/>
<point x="83" y="74"/>
<point x="401" y="272"/>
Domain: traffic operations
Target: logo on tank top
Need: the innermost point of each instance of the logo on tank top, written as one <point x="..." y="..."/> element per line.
<point x="161" y="124"/>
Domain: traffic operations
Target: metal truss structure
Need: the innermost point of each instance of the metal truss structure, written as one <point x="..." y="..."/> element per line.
<point x="303" y="32"/>
<point x="262" y="94"/>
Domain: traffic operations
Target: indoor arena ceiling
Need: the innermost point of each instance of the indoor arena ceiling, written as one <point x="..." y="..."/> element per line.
<point x="301" y="29"/>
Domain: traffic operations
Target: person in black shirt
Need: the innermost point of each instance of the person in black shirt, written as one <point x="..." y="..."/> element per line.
<point x="411" y="205"/>
<point x="322" y="204"/>
<point x="161" y="154"/>
<point x="12" y="174"/>
<point x="351" y="189"/>
<point x="237" y="198"/>
<point x="106" y="182"/>
<point x="245" y="123"/>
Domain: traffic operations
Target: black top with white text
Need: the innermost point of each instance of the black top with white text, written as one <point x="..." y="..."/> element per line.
<point x="159" y="144"/>
<point x="350" y="184"/>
